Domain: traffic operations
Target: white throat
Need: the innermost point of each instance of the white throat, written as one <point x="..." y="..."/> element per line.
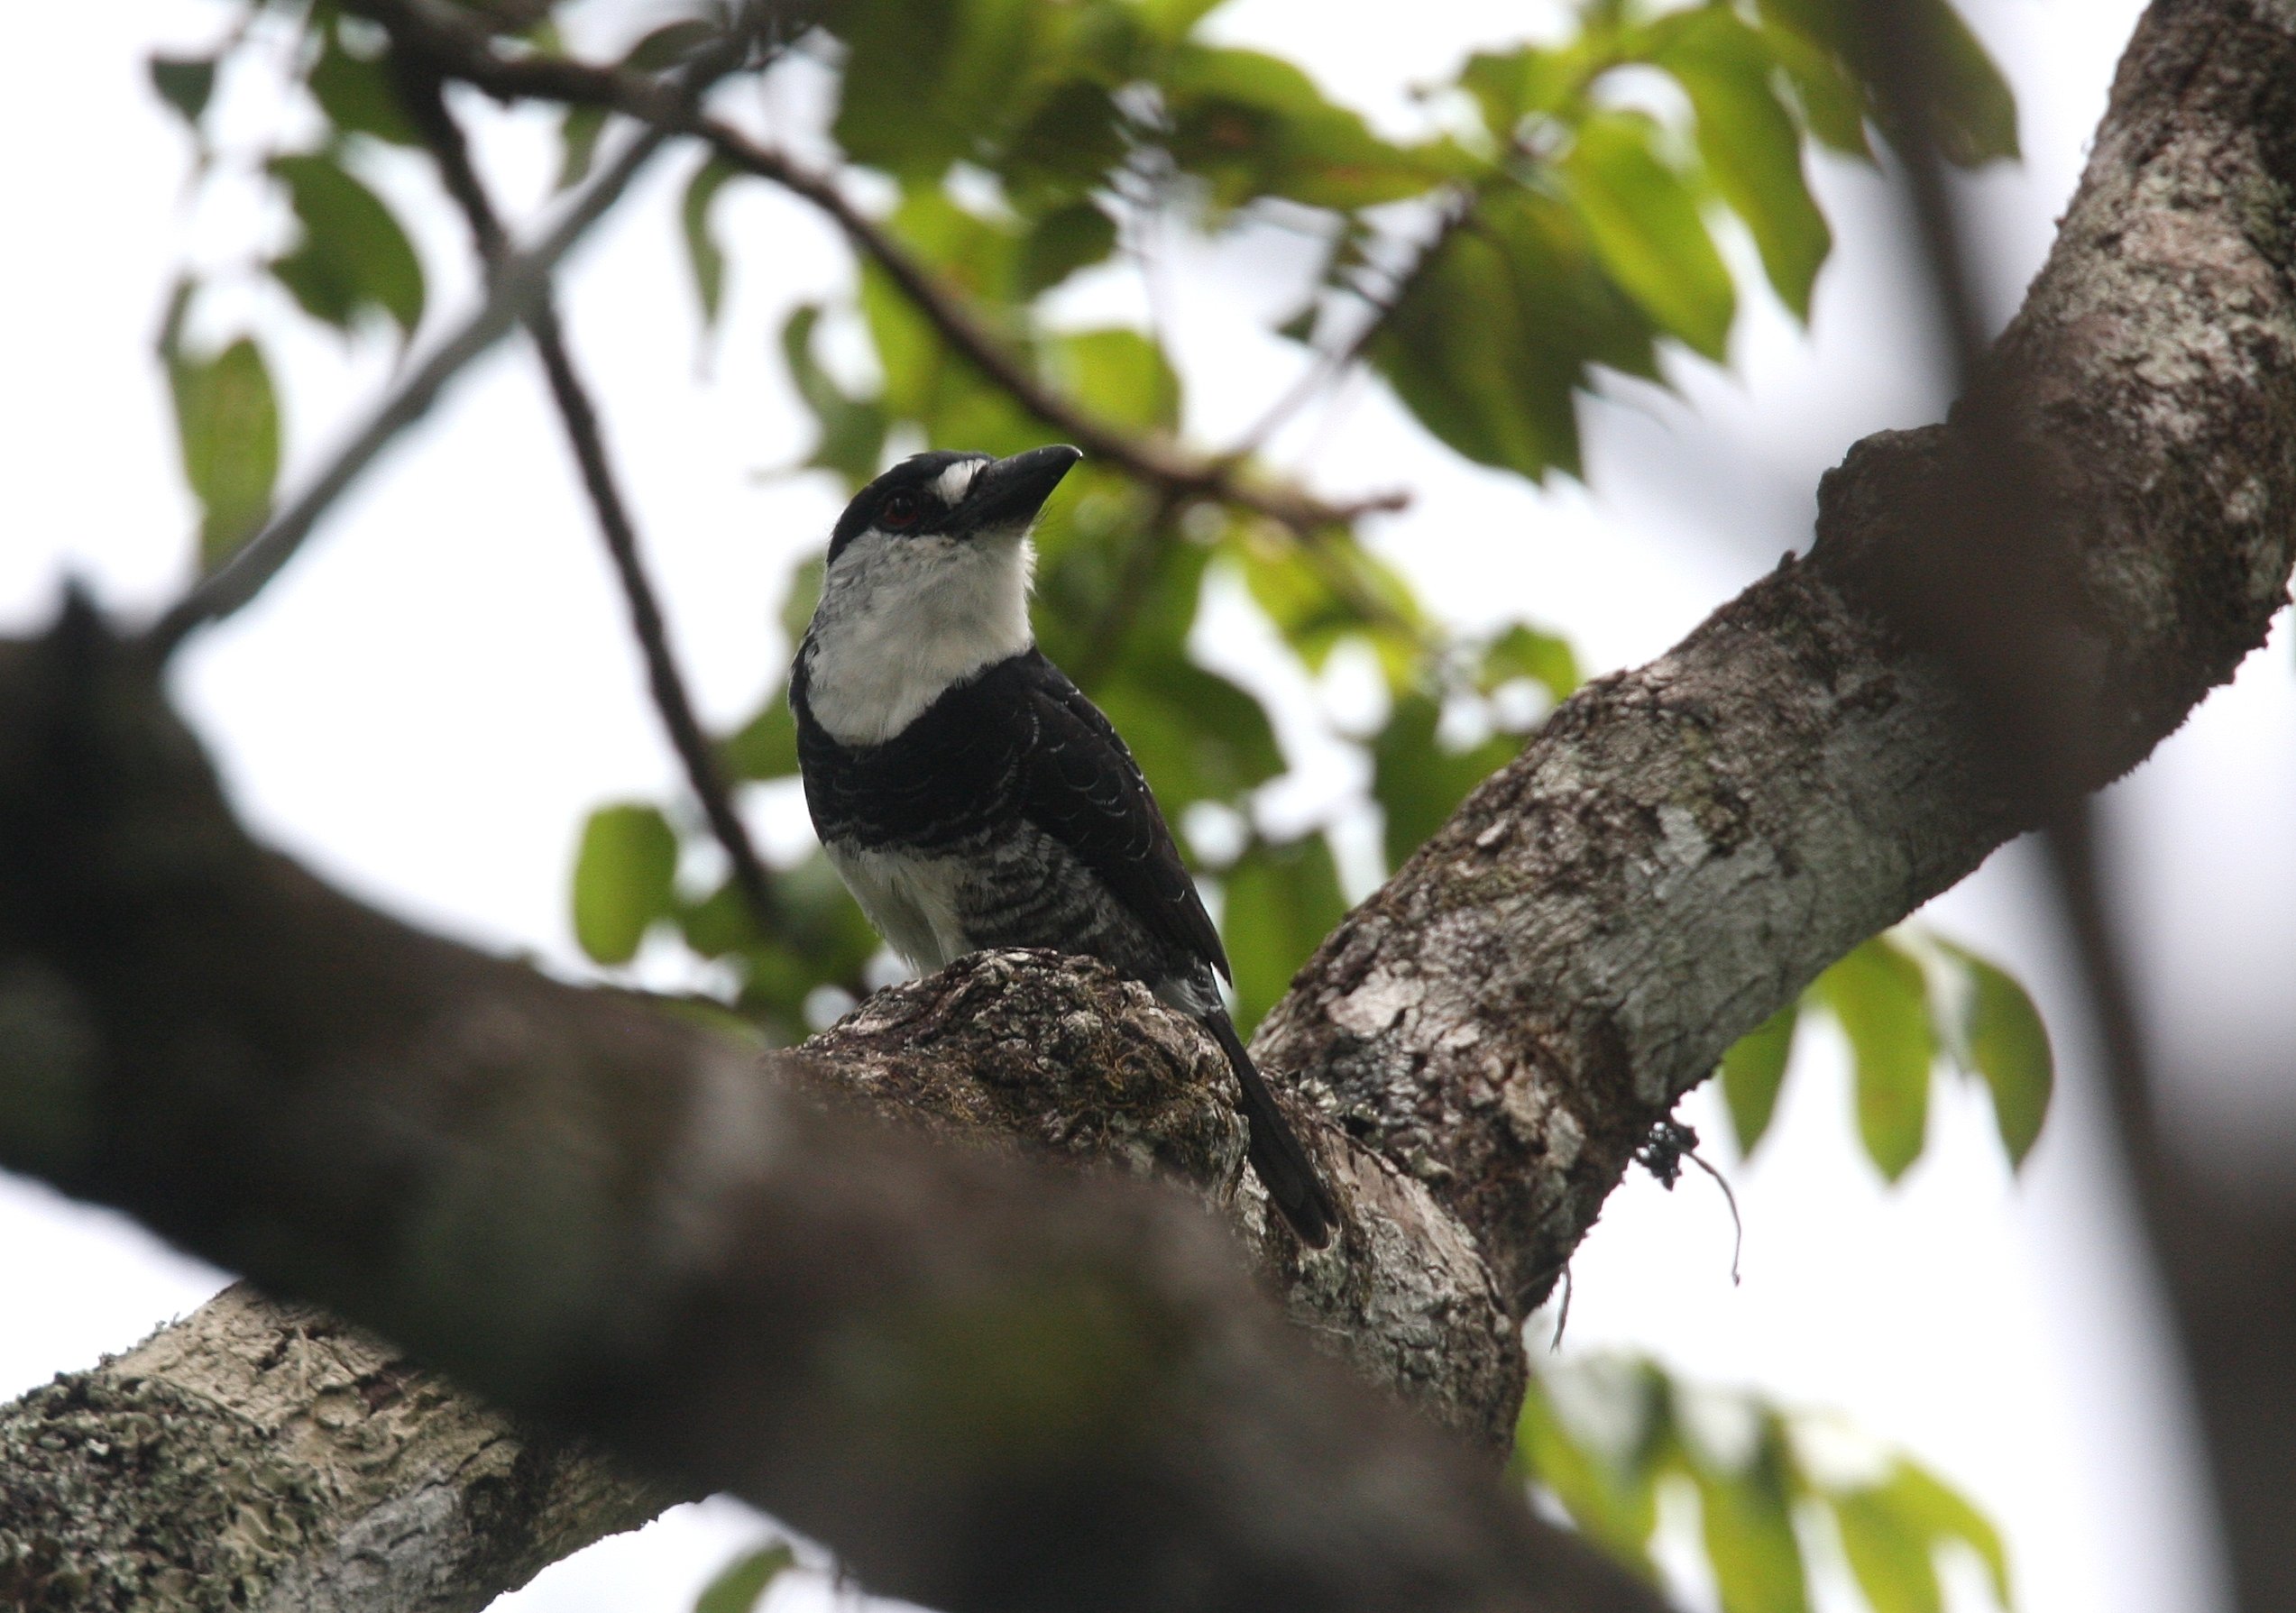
<point x="902" y="618"/>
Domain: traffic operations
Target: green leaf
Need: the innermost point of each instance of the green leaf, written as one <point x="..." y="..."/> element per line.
<point x="624" y="880"/>
<point x="803" y="593"/>
<point x="852" y="430"/>
<point x="1417" y="782"/>
<point x="672" y="44"/>
<point x="1972" y="110"/>
<point x="1524" y="651"/>
<point x="2008" y="1044"/>
<point x="1644" y="220"/>
<point x="1891" y="1561"/>
<point x="1751" y="149"/>
<point x="1748" y="1529"/>
<point x="1613" y="1502"/>
<point x="1752" y="1071"/>
<point x="1877" y="994"/>
<point x="927" y="82"/>
<point x="739" y="1584"/>
<point x="1496" y="333"/>
<point x="358" y="96"/>
<point x="1940" y="1512"/>
<point x="353" y="255"/>
<point x="766" y="746"/>
<point x="185" y="83"/>
<point x="703" y="252"/>
<point x="1195" y="735"/>
<point x="578" y="130"/>
<point x="1252" y="125"/>
<point x="227" y="428"/>
<point x="1062" y="241"/>
<point x="1281" y="901"/>
<point x="1121" y="375"/>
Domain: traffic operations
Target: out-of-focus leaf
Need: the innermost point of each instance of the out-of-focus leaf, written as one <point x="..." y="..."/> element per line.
<point x="927" y="83"/>
<point x="1644" y="220"/>
<point x="579" y="128"/>
<point x="1611" y="1497"/>
<point x="739" y="1584"/>
<point x="1252" y="125"/>
<point x="1172" y="20"/>
<point x="703" y="255"/>
<point x="1417" y="783"/>
<point x="354" y="255"/>
<point x="1495" y="334"/>
<point x="671" y="44"/>
<point x="624" y="880"/>
<point x="2008" y="1044"/>
<point x="1748" y="1529"/>
<point x="1062" y="241"/>
<point x="1831" y="103"/>
<point x="1752" y="1071"/>
<point x="1940" y="1512"/>
<point x="1877" y="994"/>
<point x="1197" y="736"/>
<point x="1751" y="149"/>
<point x="1508" y="85"/>
<point x="804" y="593"/>
<point x="852" y="429"/>
<point x="1281" y="901"/>
<point x="1524" y="651"/>
<point x="1120" y="375"/>
<point x="766" y="746"/>
<point x="185" y="83"/>
<point x="1890" y="1558"/>
<point x="227" y="428"/>
<point x="1967" y="103"/>
<point x="1338" y="591"/>
<point x="357" y="96"/>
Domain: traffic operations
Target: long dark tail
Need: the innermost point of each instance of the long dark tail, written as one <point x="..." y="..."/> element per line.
<point x="1290" y="1176"/>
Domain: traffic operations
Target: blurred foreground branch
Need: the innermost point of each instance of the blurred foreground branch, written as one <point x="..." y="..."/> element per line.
<point x="608" y="1219"/>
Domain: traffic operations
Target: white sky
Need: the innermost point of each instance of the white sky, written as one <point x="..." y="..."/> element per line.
<point x="427" y="703"/>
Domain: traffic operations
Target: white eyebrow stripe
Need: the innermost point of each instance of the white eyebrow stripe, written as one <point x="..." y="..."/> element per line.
<point x="953" y="482"/>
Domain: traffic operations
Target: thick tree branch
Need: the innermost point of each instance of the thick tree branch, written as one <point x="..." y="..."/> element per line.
<point x="1684" y="846"/>
<point x="264" y="1455"/>
<point x="467" y="51"/>
<point x="1674" y="856"/>
<point x="988" y="1384"/>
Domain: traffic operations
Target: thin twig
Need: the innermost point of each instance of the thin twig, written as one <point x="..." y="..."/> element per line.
<point x="1737" y="1222"/>
<point x="466" y="52"/>
<point x="523" y="278"/>
<point x="420" y="88"/>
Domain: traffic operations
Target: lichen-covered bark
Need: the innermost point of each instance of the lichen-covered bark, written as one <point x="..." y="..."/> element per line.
<point x="1686" y="846"/>
<point x="614" y="1221"/>
<point x="990" y="1382"/>
<point x="264" y="1456"/>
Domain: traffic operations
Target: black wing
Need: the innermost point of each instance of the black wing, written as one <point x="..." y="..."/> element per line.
<point x="1079" y="785"/>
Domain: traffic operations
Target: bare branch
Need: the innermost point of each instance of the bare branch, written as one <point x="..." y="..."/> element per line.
<point x="420" y="91"/>
<point x="464" y="51"/>
<point x="525" y="277"/>
<point x="265" y="1455"/>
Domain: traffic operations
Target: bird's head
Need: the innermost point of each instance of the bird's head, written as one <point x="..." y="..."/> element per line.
<point x="927" y="584"/>
<point x="938" y="501"/>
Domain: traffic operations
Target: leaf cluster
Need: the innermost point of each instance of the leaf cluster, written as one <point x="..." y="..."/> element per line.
<point x="1903" y="1000"/>
<point x="1781" y="1496"/>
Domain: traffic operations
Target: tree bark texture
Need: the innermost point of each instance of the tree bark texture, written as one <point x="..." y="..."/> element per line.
<point x="605" y="1218"/>
<point x="265" y="1456"/>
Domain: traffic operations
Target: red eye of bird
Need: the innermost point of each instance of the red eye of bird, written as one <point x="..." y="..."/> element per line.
<point x="902" y="509"/>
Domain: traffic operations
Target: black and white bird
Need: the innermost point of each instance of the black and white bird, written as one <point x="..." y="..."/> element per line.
<point x="969" y="795"/>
